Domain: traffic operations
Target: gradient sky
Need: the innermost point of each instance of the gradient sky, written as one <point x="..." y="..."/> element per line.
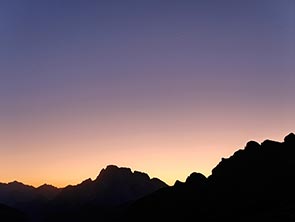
<point x="164" y="87"/>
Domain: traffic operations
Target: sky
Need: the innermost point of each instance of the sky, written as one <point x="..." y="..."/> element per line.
<point x="163" y="87"/>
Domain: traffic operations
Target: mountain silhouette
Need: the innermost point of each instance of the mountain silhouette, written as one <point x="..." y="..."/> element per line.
<point x="103" y="198"/>
<point x="25" y="198"/>
<point x="113" y="186"/>
<point x="16" y="194"/>
<point x="47" y="191"/>
<point x="256" y="183"/>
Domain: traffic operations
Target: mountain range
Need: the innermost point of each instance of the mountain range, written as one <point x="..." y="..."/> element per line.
<point x="114" y="186"/>
<point x="255" y="184"/>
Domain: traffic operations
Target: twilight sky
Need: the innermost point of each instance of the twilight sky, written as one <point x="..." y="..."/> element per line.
<point x="164" y="87"/>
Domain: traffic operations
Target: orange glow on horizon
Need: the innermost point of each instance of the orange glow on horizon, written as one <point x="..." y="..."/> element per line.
<point x="164" y="142"/>
<point x="167" y="89"/>
<point x="166" y="153"/>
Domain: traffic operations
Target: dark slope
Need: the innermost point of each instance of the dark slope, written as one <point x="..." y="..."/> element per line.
<point x="11" y="214"/>
<point x="170" y="203"/>
<point x="255" y="184"/>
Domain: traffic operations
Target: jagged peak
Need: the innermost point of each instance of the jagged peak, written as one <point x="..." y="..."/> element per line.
<point x="268" y="148"/>
<point x="45" y="186"/>
<point x="113" y="170"/>
<point x="111" y="167"/>
<point x="19" y="184"/>
<point x="250" y="146"/>
<point x="15" y="182"/>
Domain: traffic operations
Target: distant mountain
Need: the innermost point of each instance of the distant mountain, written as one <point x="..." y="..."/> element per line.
<point x="28" y="199"/>
<point x="113" y="186"/>
<point x="48" y="191"/>
<point x="104" y="198"/>
<point x="16" y="194"/>
<point x="255" y="184"/>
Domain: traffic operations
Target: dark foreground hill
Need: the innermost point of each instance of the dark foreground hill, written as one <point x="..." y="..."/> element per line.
<point x="255" y="184"/>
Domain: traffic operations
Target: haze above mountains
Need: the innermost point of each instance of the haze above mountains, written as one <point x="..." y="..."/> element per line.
<point x="254" y="184"/>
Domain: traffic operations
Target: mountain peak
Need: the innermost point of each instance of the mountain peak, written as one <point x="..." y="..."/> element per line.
<point x="290" y="138"/>
<point x="46" y="186"/>
<point x="113" y="186"/>
<point x="16" y="183"/>
<point x="196" y="179"/>
<point x="48" y="191"/>
<point x="111" y="167"/>
<point x="112" y="172"/>
<point x="252" y="145"/>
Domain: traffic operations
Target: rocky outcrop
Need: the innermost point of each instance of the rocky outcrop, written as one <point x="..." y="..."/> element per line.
<point x="254" y="184"/>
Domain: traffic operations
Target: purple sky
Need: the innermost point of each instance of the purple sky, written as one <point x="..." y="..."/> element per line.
<point x="132" y="69"/>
